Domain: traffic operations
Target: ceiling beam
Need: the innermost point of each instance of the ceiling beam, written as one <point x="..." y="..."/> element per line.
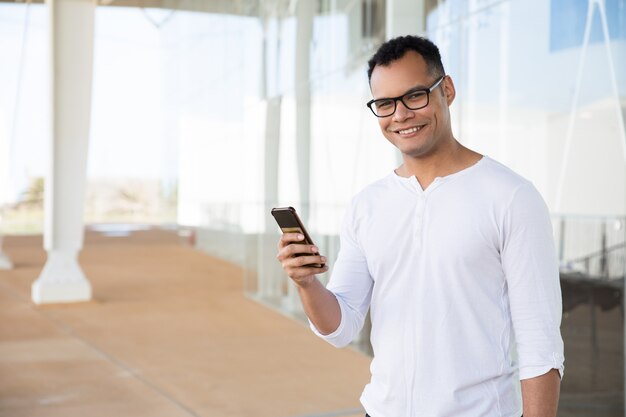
<point x="232" y="7"/>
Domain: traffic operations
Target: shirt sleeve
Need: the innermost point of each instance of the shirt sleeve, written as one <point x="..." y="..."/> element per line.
<point x="531" y="269"/>
<point x="351" y="283"/>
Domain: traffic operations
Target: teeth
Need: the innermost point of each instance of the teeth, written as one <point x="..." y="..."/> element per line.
<point x="411" y="130"/>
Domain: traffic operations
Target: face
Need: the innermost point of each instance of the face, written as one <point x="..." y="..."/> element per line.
<point x="416" y="133"/>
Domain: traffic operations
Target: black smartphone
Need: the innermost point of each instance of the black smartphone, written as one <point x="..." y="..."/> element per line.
<point x="289" y="222"/>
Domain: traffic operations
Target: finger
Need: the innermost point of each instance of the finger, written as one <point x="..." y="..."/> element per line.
<point x="300" y="249"/>
<point x="292" y="250"/>
<point x="288" y="238"/>
<point x="305" y="261"/>
<point x="290" y="263"/>
<point x="297" y="249"/>
<point x="303" y="272"/>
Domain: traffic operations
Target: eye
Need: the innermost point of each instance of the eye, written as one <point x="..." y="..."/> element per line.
<point x="383" y="104"/>
<point x="415" y="96"/>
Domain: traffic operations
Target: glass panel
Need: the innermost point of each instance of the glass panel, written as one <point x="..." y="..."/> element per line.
<point x="24" y="121"/>
<point x="537" y="93"/>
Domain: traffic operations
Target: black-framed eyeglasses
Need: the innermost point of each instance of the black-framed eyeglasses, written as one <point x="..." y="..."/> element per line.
<point x="415" y="99"/>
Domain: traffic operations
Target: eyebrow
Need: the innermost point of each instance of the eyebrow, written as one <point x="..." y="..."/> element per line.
<point x="410" y="90"/>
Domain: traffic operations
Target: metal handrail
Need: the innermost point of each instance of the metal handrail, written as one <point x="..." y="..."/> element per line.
<point x="603" y="252"/>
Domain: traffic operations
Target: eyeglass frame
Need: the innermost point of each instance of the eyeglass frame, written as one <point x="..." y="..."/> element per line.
<point x="400" y="98"/>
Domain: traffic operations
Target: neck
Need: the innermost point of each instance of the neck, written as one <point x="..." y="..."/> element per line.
<point x="447" y="161"/>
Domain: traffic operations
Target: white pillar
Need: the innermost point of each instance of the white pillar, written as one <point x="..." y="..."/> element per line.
<point x="5" y="195"/>
<point x="5" y="262"/>
<point x="404" y="17"/>
<point x="270" y="274"/>
<point x="305" y="13"/>
<point x="71" y="33"/>
<point x="504" y="99"/>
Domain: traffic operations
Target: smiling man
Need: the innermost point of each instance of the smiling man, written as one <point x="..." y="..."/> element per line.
<point x="453" y="255"/>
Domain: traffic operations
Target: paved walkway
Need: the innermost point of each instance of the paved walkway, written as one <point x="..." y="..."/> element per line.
<point x="169" y="333"/>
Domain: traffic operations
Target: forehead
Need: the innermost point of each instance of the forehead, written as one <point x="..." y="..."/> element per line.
<point x="399" y="76"/>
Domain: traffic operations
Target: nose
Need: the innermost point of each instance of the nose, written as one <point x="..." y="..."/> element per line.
<point x="402" y="112"/>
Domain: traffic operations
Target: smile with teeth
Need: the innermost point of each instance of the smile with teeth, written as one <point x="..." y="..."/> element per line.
<point x="410" y="130"/>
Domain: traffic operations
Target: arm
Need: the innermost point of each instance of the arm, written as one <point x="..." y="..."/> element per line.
<point x="540" y="394"/>
<point x="336" y="313"/>
<point x="530" y="264"/>
<point x="320" y="305"/>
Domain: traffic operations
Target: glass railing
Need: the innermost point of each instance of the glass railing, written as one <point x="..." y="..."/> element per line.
<point x="592" y="263"/>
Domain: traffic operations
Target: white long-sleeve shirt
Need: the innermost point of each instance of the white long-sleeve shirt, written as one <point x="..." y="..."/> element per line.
<point x="463" y="286"/>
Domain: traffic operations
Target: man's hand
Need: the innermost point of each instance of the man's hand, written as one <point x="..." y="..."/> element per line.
<point x="289" y="247"/>
<point x="320" y="305"/>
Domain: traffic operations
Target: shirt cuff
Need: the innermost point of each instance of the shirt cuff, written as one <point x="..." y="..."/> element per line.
<point x="528" y="372"/>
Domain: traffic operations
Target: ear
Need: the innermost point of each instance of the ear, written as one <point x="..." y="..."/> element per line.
<point x="448" y="89"/>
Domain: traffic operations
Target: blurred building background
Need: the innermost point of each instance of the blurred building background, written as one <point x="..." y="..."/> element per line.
<point x="206" y="114"/>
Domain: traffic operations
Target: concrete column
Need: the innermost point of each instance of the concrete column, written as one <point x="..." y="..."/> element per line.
<point x="504" y="99"/>
<point x="272" y="146"/>
<point x="305" y="13"/>
<point x="5" y="195"/>
<point x="404" y="17"/>
<point x="5" y="262"/>
<point x="270" y="274"/>
<point x="71" y="33"/>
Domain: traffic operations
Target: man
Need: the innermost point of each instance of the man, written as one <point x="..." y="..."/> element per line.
<point x="452" y="253"/>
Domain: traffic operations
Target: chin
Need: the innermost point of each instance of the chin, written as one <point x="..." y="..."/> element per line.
<point x="416" y="152"/>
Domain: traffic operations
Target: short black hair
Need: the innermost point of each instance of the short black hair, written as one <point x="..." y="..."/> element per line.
<point x="396" y="48"/>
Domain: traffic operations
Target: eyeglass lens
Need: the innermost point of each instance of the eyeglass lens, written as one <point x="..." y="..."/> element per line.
<point x="413" y="101"/>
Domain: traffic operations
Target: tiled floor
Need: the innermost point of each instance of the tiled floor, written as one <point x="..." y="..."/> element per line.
<point x="169" y="333"/>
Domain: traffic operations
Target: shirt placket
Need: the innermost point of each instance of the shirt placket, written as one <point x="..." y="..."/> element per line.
<point x="418" y="231"/>
<point x="418" y="226"/>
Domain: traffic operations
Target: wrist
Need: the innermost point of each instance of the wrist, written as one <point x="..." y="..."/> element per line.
<point x="305" y="282"/>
